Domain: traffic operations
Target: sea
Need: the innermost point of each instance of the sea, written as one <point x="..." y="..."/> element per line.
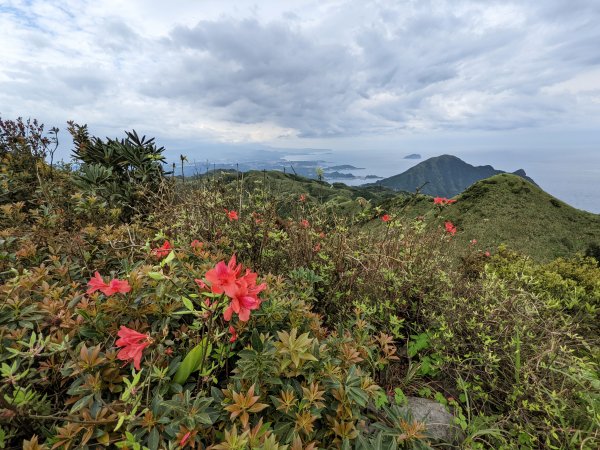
<point x="571" y="176"/>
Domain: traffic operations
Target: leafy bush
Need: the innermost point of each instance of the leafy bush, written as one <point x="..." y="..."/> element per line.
<point x="127" y="173"/>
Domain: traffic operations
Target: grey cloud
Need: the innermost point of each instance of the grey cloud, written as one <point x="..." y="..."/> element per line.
<point x="252" y="73"/>
<point x="365" y="67"/>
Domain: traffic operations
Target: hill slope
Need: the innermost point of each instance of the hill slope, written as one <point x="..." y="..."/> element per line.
<point x="506" y="209"/>
<point x="445" y="176"/>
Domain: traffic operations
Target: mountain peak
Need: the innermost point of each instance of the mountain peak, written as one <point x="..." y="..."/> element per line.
<point x="444" y="175"/>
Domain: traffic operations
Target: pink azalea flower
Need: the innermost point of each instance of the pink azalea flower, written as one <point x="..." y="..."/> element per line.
<point x="96" y="283"/>
<point x="115" y="286"/>
<point x="450" y="228"/>
<point x="162" y="251"/>
<point x="133" y="344"/>
<point x="223" y="277"/>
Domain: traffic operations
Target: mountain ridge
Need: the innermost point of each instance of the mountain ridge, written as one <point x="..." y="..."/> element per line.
<point x="444" y="175"/>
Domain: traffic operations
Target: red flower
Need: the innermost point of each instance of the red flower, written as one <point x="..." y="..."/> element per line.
<point x="442" y="201"/>
<point x="305" y="223"/>
<point x="223" y="277"/>
<point x="487" y="254"/>
<point x="245" y="298"/>
<point x="133" y="344"/>
<point x="162" y="251"/>
<point x="242" y="290"/>
<point x="117" y="286"/>
<point x="96" y="283"/>
<point x="232" y="215"/>
<point x="473" y="241"/>
<point x="196" y="244"/>
<point x="386" y="218"/>
<point x="302" y="198"/>
<point x="233" y="333"/>
<point x="317" y="248"/>
<point x="450" y="228"/>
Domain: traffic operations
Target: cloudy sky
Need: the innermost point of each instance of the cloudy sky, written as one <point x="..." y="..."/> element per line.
<point x="314" y="74"/>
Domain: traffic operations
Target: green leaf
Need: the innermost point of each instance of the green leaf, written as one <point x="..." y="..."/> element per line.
<point x="192" y="361"/>
<point x="188" y="303"/>
<point x="153" y="439"/>
<point x="168" y="259"/>
<point x="158" y="276"/>
<point x="81" y="403"/>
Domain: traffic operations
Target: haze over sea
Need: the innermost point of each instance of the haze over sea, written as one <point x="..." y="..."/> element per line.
<point x="572" y="176"/>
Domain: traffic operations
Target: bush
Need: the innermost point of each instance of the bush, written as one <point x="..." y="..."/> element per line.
<point x="125" y="173"/>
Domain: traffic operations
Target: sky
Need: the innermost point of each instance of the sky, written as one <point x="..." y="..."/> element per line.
<point x="395" y="76"/>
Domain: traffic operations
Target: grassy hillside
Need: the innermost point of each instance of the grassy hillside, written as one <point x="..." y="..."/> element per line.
<point x="506" y="209"/>
<point x="344" y="199"/>
<point x="444" y="175"/>
<point x="502" y="209"/>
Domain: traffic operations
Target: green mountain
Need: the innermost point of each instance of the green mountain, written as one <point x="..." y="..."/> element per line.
<point x="444" y="176"/>
<point x="506" y="209"/>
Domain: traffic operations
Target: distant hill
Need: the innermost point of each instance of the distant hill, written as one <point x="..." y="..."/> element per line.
<point x="506" y="209"/>
<point x="342" y="198"/>
<point x="445" y="176"/>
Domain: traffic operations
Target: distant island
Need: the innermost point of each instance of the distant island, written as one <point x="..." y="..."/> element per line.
<point x="349" y="176"/>
<point x="413" y="156"/>
<point x="344" y="167"/>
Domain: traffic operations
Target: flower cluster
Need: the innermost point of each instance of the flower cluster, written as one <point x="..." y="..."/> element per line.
<point x="442" y="201"/>
<point x="115" y="286"/>
<point x="450" y="228"/>
<point x="386" y="218"/>
<point x="162" y="251"/>
<point x="242" y="290"/>
<point x="132" y="345"/>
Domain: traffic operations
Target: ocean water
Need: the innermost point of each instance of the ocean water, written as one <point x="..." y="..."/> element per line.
<point x="571" y="176"/>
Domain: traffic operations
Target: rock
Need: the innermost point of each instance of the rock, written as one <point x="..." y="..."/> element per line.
<point x="440" y="423"/>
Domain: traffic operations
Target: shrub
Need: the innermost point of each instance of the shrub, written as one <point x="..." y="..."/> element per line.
<point x="127" y="173"/>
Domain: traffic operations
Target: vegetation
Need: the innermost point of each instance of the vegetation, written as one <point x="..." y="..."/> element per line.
<point x="264" y="311"/>
<point x="505" y="209"/>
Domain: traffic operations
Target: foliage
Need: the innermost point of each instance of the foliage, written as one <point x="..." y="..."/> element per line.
<point x="356" y="315"/>
<point x="125" y="173"/>
<point x="23" y="148"/>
